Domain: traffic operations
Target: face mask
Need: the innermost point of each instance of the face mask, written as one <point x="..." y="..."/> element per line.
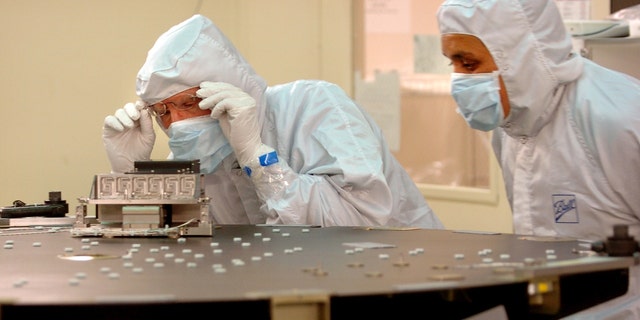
<point x="199" y="138"/>
<point x="478" y="98"/>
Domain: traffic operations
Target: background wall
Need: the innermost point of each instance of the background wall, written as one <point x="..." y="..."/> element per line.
<point x="66" y="64"/>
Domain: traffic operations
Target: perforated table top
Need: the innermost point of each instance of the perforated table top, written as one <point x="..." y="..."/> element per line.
<point x="242" y="263"/>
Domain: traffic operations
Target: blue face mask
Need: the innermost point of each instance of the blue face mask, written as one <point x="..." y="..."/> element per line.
<point x="478" y="98"/>
<point x="199" y="138"/>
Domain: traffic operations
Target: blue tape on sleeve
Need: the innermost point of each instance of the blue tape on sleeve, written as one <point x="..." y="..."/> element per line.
<point x="265" y="160"/>
<point x="268" y="159"/>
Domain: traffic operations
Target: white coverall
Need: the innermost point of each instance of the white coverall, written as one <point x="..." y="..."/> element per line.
<point x="334" y="168"/>
<point x="344" y="172"/>
<point x="570" y="147"/>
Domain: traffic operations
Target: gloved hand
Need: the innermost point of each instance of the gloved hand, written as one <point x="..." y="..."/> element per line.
<point x="236" y="112"/>
<point x="128" y="136"/>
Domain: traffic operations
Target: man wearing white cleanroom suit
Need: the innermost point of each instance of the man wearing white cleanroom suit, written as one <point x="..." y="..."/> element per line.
<point x="566" y="131"/>
<point x="296" y="153"/>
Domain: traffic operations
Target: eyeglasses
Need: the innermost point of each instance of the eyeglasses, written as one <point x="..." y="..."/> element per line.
<point x="185" y="102"/>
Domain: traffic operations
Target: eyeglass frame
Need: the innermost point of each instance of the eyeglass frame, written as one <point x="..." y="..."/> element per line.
<point x="154" y="112"/>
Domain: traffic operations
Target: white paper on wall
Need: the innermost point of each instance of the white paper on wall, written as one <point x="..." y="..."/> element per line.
<point x="427" y="53"/>
<point x="387" y="16"/>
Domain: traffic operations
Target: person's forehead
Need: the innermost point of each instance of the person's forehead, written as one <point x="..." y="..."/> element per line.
<point x="180" y="94"/>
<point x="462" y="44"/>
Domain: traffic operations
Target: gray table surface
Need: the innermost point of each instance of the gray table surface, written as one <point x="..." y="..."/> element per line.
<point x="245" y="262"/>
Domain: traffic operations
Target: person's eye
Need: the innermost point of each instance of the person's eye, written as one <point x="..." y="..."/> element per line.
<point x="469" y="65"/>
